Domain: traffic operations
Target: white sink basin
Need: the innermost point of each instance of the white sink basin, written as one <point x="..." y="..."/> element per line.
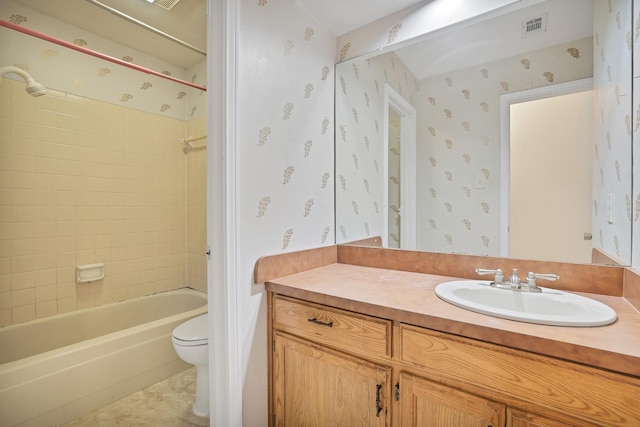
<point x="549" y="307"/>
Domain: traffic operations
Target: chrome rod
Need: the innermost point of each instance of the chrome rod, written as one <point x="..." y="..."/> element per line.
<point x="147" y="26"/>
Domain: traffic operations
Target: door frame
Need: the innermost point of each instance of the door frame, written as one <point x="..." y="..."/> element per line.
<point x="506" y="100"/>
<point x="408" y="120"/>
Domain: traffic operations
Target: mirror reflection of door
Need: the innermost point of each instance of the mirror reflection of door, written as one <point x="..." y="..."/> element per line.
<point x="399" y="164"/>
<point x="548" y="138"/>
<point x="394" y="167"/>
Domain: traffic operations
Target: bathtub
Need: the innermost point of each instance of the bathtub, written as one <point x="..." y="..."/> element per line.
<point x="54" y="370"/>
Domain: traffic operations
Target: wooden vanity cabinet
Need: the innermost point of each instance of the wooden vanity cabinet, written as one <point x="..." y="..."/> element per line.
<point x="425" y="403"/>
<point x="317" y="378"/>
<point x="316" y="386"/>
<point x="332" y="367"/>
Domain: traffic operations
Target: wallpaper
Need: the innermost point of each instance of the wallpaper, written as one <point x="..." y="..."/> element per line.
<point x="50" y="64"/>
<point x="285" y="147"/>
<point x="612" y="129"/>
<point x="284" y="161"/>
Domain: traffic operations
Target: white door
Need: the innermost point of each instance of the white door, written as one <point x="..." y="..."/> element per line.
<point x="399" y="172"/>
<point x="550" y="178"/>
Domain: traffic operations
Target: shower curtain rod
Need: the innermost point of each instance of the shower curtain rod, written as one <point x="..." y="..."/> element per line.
<point x="146" y="26"/>
<point x="81" y="49"/>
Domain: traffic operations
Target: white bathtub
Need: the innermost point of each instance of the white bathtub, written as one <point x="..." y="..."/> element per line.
<point x="56" y="369"/>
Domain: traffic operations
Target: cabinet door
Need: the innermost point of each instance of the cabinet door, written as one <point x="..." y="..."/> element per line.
<point x="516" y="418"/>
<point x="425" y="403"/>
<point x="316" y="386"/>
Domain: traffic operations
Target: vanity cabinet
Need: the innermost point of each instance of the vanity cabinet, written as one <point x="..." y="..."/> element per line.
<point x="425" y="403"/>
<point x="315" y="386"/>
<point x="335" y="367"/>
<point x="317" y="380"/>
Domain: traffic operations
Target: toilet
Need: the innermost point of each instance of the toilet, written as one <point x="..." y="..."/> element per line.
<point x="191" y="342"/>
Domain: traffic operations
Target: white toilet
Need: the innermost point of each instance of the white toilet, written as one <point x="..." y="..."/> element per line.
<point x="191" y="342"/>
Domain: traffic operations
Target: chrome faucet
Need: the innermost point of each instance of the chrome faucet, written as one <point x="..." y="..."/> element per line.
<point x="514" y="283"/>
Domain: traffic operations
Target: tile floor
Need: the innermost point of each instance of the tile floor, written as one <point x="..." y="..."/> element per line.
<point x="164" y="404"/>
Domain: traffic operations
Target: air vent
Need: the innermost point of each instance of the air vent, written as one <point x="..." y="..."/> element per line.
<point x="534" y="26"/>
<point x="166" y="4"/>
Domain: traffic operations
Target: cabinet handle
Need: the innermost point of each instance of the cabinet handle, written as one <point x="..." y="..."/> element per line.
<point x="321" y="323"/>
<point x="378" y="402"/>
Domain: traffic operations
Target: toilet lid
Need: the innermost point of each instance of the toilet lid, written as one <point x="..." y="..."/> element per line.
<point x="195" y="329"/>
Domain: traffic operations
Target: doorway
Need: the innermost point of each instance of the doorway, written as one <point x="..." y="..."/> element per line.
<point x="399" y="172"/>
<point x="546" y="198"/>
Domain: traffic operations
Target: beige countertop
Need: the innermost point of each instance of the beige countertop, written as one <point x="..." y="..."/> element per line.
<point x="410" y="297"/>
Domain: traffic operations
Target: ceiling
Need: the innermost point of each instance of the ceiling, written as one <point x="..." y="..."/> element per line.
<point x="187" y="21"/>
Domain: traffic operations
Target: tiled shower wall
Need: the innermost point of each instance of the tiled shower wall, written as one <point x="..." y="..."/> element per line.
<point x="83" y="181"/>
<point x="196" y="206"/>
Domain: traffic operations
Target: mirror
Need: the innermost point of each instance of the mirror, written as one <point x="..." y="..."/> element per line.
<point x="463" y="81"/>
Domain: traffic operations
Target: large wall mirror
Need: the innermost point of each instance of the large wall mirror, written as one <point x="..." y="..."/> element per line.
<point x="519" y="128"/>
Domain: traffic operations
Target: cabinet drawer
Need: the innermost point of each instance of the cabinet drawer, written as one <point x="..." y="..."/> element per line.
<point x="336" y="328"/>
<point x="523" y="378"/>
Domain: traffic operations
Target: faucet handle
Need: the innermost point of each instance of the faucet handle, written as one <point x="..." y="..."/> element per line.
<point x="499" y="279"/>
<point x="531" y="278"/>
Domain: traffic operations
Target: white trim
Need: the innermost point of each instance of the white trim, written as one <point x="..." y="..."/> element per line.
<point x="407" y="168"/>
<point x="224" y="354"/>
<point x="505" y="131"/>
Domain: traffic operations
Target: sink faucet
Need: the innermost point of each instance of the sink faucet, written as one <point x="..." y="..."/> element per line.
<point x="514" y="282"/>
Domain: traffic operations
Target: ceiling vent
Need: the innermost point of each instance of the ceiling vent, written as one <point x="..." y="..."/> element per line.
<point x="534" y="26"/>
<point x="166" y="4"/>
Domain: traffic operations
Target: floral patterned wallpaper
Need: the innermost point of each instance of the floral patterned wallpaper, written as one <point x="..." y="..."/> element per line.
<point x="284" y="160"/>
<point x="68" y="71"/>
<point x="612" y="128"/>
<point x="285" y="144"/>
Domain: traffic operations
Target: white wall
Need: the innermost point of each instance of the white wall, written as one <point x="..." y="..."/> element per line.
<point x="635" y="236"/>
<point x="284" y="151"/>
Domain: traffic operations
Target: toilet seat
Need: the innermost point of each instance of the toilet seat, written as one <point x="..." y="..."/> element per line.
<point x="193" y="332"/>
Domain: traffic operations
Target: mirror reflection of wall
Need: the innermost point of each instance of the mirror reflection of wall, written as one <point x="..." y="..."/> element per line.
<point x="458" y="205"/>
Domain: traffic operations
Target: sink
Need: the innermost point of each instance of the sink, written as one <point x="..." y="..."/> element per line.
<point x="549" y="307"/>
